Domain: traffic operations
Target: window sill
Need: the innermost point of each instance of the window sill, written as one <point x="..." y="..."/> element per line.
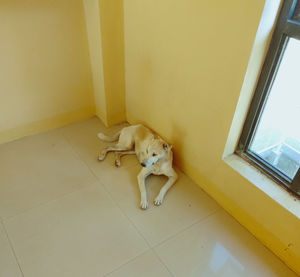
<point x="265" y="184"/>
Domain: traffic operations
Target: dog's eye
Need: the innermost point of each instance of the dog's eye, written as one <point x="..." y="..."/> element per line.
<point x="153" y="154"/>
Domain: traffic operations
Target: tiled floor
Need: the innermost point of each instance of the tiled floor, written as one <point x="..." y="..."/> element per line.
<point x="63" y="213"/>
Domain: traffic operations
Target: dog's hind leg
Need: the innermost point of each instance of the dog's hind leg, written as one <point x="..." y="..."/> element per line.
<point x="107" y="149"/>
<point x="125" y="143"/>
<point x="118" y="156"/>
<point x="109" y="138"/>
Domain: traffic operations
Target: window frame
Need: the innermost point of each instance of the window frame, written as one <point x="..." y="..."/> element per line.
<point x="285" y="28"/>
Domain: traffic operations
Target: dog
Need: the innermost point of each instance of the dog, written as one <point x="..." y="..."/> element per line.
<point x="153" y="153"/>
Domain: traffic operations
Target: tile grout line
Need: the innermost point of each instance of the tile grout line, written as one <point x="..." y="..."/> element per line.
<point x="124" y="214"/>
<point x="129" y="261"/>
<point x="133" y="225"/>
<point x="166" y="267"/>
<point x="49" y="201"/>
<point x="86" y="164"/>
<point x="112" y="199"/>
<point x="11" y="247"/>
<point x="65" y="194"/>
<point x="179" y="232"/>
<point x="78" y="156"/>
<point x="257" y="240"/>
<point x="70" y="193"/>
<point x="151" y="248"/>
<point x="184" y="229"/>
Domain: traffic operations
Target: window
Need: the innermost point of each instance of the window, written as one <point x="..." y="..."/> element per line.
<point x="271" y="134"/>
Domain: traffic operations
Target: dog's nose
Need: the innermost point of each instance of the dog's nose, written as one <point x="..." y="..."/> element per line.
<point x="143" y="164"/>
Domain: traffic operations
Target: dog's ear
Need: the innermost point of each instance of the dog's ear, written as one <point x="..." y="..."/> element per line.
<point x="167" y="147"/>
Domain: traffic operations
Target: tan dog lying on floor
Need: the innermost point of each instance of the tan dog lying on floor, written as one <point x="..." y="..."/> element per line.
<point x="153" y="153"/>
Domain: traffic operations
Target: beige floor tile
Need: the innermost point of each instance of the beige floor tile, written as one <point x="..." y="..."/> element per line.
<point x="83" y="138"/>
<point x="81" y="234"/>
<point x="8" y="264"/>
<point x="145" y="265"/>
<point x="219" y="246"/>
<point x="38" y="169"/>
<point x="63" y="221"/>
<point x="184" y="205"/>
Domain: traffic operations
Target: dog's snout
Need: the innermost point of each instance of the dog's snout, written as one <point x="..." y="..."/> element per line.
<point x="143" y="164"/>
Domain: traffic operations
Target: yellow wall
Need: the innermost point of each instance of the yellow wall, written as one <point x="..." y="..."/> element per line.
<point x="112" y="30"/>
<point x="92" y="17"/>
<point x="185" y="62"/>
<point x="44" y="66"/>
<point x="104" y="21"/>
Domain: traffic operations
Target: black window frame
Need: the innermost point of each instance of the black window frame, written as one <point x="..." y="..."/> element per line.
<point x="285" y="28"/>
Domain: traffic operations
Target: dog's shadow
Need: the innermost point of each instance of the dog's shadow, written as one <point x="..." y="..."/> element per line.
<point x="177" y="140"/>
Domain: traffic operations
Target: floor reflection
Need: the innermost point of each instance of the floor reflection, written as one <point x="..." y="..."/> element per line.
<point x="222" y="262"/>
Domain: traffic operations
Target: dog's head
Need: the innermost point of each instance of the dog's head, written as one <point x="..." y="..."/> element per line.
<point x="156" y="150"/>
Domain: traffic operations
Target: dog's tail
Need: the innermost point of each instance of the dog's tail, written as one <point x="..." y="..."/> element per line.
<point x="109" y="138"/>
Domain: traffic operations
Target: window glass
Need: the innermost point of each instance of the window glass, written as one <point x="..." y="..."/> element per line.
<point x="277" y="136"/>
<point x="296" y="14"/>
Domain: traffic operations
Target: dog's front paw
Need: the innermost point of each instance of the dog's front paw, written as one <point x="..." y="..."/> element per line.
<point x="144" y="204"/>
<point x="101" y="157"/>
<point x="158" y="201"/>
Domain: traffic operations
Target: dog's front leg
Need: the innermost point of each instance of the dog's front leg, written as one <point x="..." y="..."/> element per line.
<point x="144" y="173"/>
<point x="160" y="197"/>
